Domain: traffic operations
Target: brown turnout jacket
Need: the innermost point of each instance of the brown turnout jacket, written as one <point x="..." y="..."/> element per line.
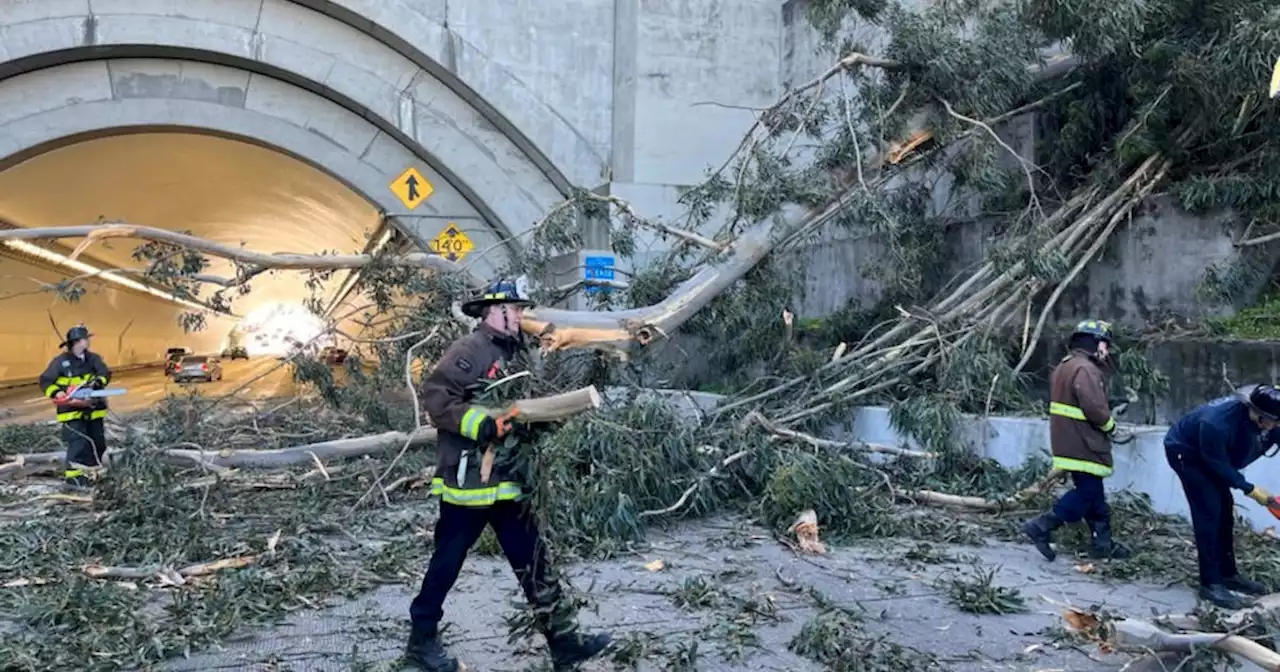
<point x="446" y="392"/>
<point x="1080" y="422"/>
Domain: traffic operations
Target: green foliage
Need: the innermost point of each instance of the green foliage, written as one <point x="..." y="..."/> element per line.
<point x="1181" y="78"/>
<point x="1258" y="322"/>
<point x="15" y="439"/>
<point x="978" y="593"/>
<point x="152" y="517"/>
<point x="837" y="639"/>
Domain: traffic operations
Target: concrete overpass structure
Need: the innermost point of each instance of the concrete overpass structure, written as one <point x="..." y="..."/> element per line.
<point x="285" y="124"/>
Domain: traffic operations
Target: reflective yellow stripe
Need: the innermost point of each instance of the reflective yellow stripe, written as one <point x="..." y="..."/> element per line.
<point x="1067" y="411"/>
<point x="504" y="491"/>
<point x="85" y="414"/>
<point x="72" y="473"/>
<point x="52" y="390"/>
<point x="471" y="422"/>
<point x="1073" y="412"/>
<point x="1083" y="466"/>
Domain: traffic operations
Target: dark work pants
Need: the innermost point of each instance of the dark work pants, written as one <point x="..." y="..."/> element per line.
<point x="1212" y="517"/>
<point x="457" y="531"/>
<point x="86" y="441"/>
<point x="1087" y="501"/>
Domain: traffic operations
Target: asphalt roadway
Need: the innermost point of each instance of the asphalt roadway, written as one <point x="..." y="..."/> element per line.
<point x="147" y="386"/>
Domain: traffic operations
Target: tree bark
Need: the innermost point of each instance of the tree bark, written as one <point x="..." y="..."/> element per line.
<point x="1145" y="637"/>
<point x="621" y="330"/>
<point x="541" y="409"/>
<point x="555" y="407"/>
<point x="233" y="253"/>
<point x="165" y="575"/>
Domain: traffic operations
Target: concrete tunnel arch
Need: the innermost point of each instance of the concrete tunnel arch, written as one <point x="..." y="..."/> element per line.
<point x="65" y="95"/>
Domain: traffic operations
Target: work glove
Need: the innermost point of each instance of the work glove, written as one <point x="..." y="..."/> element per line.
<point x="1261" y="496"/>
<point x="63" y="399"/>
<point x="1120" y="436"/>
<point x="496" y="428"/>
<point x="98" y="384"/>
<point x="488" y="431"/>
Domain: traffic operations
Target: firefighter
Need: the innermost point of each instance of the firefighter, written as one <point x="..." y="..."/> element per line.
<point x="83" y="420"/>
<point x="1207" y="448"/>
<point x="1081" y="430"/>
<point x="467" y="504"/>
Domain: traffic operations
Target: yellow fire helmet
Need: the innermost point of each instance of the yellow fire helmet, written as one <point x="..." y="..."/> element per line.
<point x="1275" y="80"/>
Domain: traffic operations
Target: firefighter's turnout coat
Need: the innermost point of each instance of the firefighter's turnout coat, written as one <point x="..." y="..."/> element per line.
<point x="1080" y="422"/>
<point x="446" y="395"/>
<point x="67" y="371"/>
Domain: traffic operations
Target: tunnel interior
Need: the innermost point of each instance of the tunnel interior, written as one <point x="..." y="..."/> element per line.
<point x="220" y="189"/>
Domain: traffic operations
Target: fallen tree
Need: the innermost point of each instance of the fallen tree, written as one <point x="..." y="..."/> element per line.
<point x="551" y="408"/>
<point x="1231" y="633"/>
<point x="1180" y="116"/>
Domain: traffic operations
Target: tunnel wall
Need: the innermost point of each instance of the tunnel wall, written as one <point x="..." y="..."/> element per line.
<point x="411" y="100"/>
<point x="129" y="327"/>
<point x="513" y="101"/>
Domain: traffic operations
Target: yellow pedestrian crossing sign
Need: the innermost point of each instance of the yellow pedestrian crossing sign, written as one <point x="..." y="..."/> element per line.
<point x="452" y="243"/>
<point x="412" y="188"/>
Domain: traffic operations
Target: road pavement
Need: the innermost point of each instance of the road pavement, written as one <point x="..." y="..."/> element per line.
<point x="894" y="596"/>
<point x="147" y="386"/>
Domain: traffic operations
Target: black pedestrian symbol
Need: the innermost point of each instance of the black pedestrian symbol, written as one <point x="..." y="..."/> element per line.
<point x="412" y="183"/>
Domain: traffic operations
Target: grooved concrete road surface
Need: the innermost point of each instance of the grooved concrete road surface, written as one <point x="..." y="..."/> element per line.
<point x="147" y="386"/>
<point x="899" y="599"/>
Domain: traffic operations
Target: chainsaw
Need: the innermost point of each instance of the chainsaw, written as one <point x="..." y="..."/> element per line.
<point x="81" y="392"/>
<point x="1274" y="507"/>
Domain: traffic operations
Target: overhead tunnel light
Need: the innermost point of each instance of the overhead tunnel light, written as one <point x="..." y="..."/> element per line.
<point x="81" y="267"/>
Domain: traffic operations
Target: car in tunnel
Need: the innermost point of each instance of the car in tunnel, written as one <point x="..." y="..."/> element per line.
<point x="198" y="367"/>
<point x="333" y="355"/>
<point x="171" y="358"/>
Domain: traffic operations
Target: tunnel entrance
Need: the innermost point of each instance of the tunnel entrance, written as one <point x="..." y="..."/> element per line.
<point x="219" y="189"/>
<point x="278" y="329"/>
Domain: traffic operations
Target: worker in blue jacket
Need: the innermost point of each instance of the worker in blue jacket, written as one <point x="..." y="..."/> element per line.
<point x="1207" y="448"/>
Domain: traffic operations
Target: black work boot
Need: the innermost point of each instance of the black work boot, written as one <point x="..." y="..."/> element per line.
<point x="1103" y="548"/>
<point x="570" y="649"/>
<point x="1220" y="596"/>
<point x="425" y="651"/>
<point x="1040" y="530"/>
<point x="1240" y="584"/>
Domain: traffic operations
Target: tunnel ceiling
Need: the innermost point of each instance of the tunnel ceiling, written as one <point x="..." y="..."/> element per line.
<point x="225" y="190"/>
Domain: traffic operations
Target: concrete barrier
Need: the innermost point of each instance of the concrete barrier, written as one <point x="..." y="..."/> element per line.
<point x="1140" y="465"/>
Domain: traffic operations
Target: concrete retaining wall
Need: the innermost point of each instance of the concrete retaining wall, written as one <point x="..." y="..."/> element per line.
<point x="1140" y="465"/>
<point x="1011" y="442"/>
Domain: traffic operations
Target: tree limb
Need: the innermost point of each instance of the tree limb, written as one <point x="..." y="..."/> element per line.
<point x="541" y="409"/>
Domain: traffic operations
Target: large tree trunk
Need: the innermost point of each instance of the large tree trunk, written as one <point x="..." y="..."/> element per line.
<point x="1145" y="637"/>
<point x="622" y="329"/>
<point x="542" y="409"/>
